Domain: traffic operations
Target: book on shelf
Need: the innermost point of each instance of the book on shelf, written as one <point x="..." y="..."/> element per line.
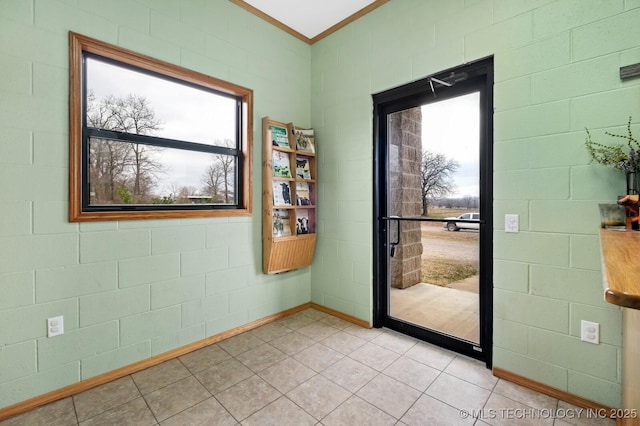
<point x="281" y="193"/>
<point x="281" y="165"/>
<point x="302" y="194"/>
<point x="302" y="167"/>
<point x="302" y="222"/>
<point x="279" y="136"/>
<point x="305" y="141"/>
<point x="281" y="223"/>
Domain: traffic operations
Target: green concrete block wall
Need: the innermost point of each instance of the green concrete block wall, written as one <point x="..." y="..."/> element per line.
<point x="556" y="63"/>
<point x="556" y="72"/>
<point x="132" y="289"/>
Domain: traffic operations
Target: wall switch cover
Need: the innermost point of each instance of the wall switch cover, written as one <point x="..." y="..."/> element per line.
<point x="55" y="326"/>
<point x="511" y="223"/>
<point x="590" y="332"/>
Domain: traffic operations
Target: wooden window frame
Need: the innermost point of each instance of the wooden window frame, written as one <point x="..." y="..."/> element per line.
<point x="78" y="45"/>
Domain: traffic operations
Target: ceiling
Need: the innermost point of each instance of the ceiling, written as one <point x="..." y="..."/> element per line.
<point x="309" y="20"/>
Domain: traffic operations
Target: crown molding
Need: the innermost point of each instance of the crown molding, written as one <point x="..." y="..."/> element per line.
<point x="376" y="4"/>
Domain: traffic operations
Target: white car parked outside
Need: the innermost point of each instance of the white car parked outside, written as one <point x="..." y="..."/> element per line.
<point x="452" y="225"/>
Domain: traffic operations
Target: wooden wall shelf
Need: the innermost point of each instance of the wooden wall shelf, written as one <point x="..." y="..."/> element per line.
<point x="289" y="195"/>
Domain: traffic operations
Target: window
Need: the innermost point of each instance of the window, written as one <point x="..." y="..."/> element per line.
<point x="151" y="140"/>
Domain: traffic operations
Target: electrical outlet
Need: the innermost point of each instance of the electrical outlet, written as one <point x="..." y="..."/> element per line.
<point x="55" y="326"/>
<point x="511" y="223"/>
<point x="590" y="332"/>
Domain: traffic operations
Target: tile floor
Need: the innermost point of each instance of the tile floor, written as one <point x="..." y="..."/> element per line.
<point x="310" y="369"/>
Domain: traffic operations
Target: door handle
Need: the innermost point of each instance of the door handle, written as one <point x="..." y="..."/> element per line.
<point x="393" y="244"/>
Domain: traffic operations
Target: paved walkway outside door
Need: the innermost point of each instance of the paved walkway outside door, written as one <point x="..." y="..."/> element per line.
<point x="452" y="310"/>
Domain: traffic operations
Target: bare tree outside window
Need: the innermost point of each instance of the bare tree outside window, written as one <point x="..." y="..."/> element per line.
<point x="212" y="181"/>
<point x="436" y="177"/>
<point x="218" y="179"/>
<point x="470" y="202"/>
<point x="122" y="172"/>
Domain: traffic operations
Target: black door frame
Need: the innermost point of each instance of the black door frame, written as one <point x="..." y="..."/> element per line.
<point x="468" y="78"/>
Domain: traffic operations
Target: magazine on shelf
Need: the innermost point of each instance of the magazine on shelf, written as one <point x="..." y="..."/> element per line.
<point x="281" y="165"/>
<point x="302" y="167"/>
<point x="281" y="223"/>
<point x="305" y="141"/>
<point x="281" y="193"/>
<point x="279" y="136"/>
<point x="302" y="194"/>
<point x="302" y="222"/>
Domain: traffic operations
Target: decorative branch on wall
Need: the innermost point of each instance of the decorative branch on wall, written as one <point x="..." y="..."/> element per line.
<point x="630" y="71"/>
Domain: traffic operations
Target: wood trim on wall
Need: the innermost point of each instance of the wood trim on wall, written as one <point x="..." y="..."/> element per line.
<point x="24" y="406"/>
<point x="78" y="44"/>
<point x="271" y="20"/>
<point x="346" y="21"/>
<point x="349" y="318"/>
<point x="551" y="391"/>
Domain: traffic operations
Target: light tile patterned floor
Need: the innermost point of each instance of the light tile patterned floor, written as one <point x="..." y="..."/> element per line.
<point x="310" y="369"/>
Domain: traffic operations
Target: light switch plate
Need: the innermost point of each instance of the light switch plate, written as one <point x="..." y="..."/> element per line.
<point x="511" y="223"/>
<point x="55" y="326"/>
<point x="590" y="332"/>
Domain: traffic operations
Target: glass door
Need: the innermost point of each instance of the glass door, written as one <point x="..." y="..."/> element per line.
<point x="433" y="198"/>
<point x="435" y="268"/>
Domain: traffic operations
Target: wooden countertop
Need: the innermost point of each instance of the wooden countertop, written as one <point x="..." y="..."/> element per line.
<point x="621" y="261"/>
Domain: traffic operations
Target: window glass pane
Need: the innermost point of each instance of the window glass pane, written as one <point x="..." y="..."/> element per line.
<point x="127" y="100"/>
<point x="129" y="173"/>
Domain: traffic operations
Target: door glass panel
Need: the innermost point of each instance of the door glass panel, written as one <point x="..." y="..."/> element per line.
<point x="434" y="173"/>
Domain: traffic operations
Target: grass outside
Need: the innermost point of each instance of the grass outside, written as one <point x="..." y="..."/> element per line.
<point x="442" y="271"/>
<point x="470" y="236"/>
<point x="442" y="212"/>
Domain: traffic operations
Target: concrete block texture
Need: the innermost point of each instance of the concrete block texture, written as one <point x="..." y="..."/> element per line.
<point x="555" y="73"/>
<point x="548" y="56"/>
<point x="127" y="290"/>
